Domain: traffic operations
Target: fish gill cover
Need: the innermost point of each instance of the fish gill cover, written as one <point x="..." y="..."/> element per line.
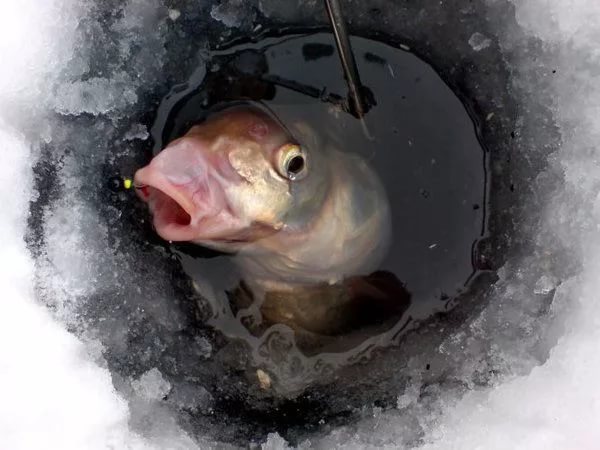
<point x="96" y="321"/>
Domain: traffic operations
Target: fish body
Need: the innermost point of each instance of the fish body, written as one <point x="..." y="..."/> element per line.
<point x="295" y="211"/>
<point x="225" y="185"/>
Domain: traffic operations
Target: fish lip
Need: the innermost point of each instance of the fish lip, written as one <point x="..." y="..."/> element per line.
<point x="164" y="221"/>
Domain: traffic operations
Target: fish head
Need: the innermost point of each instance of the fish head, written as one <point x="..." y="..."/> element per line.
<point x="234" y="179"/>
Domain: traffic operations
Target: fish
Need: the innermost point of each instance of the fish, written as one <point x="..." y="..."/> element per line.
<point x="299" y="216"/>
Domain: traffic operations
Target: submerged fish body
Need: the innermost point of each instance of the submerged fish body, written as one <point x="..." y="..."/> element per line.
<point x="295" y="211"/>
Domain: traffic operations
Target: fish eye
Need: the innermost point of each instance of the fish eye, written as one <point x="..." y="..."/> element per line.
<point x="292" y="162"/>
<point x="295" y="165"/>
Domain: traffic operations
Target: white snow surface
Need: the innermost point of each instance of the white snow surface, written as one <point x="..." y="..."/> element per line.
<point x="57" y="392"/>
<point x="55" y="395"/>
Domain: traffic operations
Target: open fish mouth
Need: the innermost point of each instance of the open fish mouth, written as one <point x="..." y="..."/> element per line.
<point x="165" y="207"/>
<point x="183" y="208"/>
<point x="187" y="208"/>
<point x="172" y="212"/>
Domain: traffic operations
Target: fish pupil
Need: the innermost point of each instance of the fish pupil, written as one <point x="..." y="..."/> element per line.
<point x="295" y="165"/>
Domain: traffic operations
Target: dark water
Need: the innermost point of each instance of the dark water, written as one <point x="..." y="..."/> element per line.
<point x="420" y="140"/>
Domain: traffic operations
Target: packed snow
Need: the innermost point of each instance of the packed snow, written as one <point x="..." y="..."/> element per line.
<point x="520" y="373"/>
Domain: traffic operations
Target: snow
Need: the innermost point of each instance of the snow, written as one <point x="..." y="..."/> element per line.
<point x="54" y="394"/>
<point x="58" y="389"/>
<point x="555" y="406"/>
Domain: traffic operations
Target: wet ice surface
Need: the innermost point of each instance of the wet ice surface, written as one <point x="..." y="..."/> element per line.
<point x="517" y="368"/>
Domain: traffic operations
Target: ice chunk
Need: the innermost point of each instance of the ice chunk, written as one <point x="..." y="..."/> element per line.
<point x="204" y="347"/>
<point x="141" y="15"/>
<point x="174" y="14"/>
<point x="410" y="395"/>
<point x="233" y="13"/>
<point x="544" y="285"/>
<point x="192" y="398"/>
<point x="275" y="442"/>
<point x="478" y="41"/>
<point x="96" y="95"/>
<point x="137" y="131"/>
<point x="151" y="385"/>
